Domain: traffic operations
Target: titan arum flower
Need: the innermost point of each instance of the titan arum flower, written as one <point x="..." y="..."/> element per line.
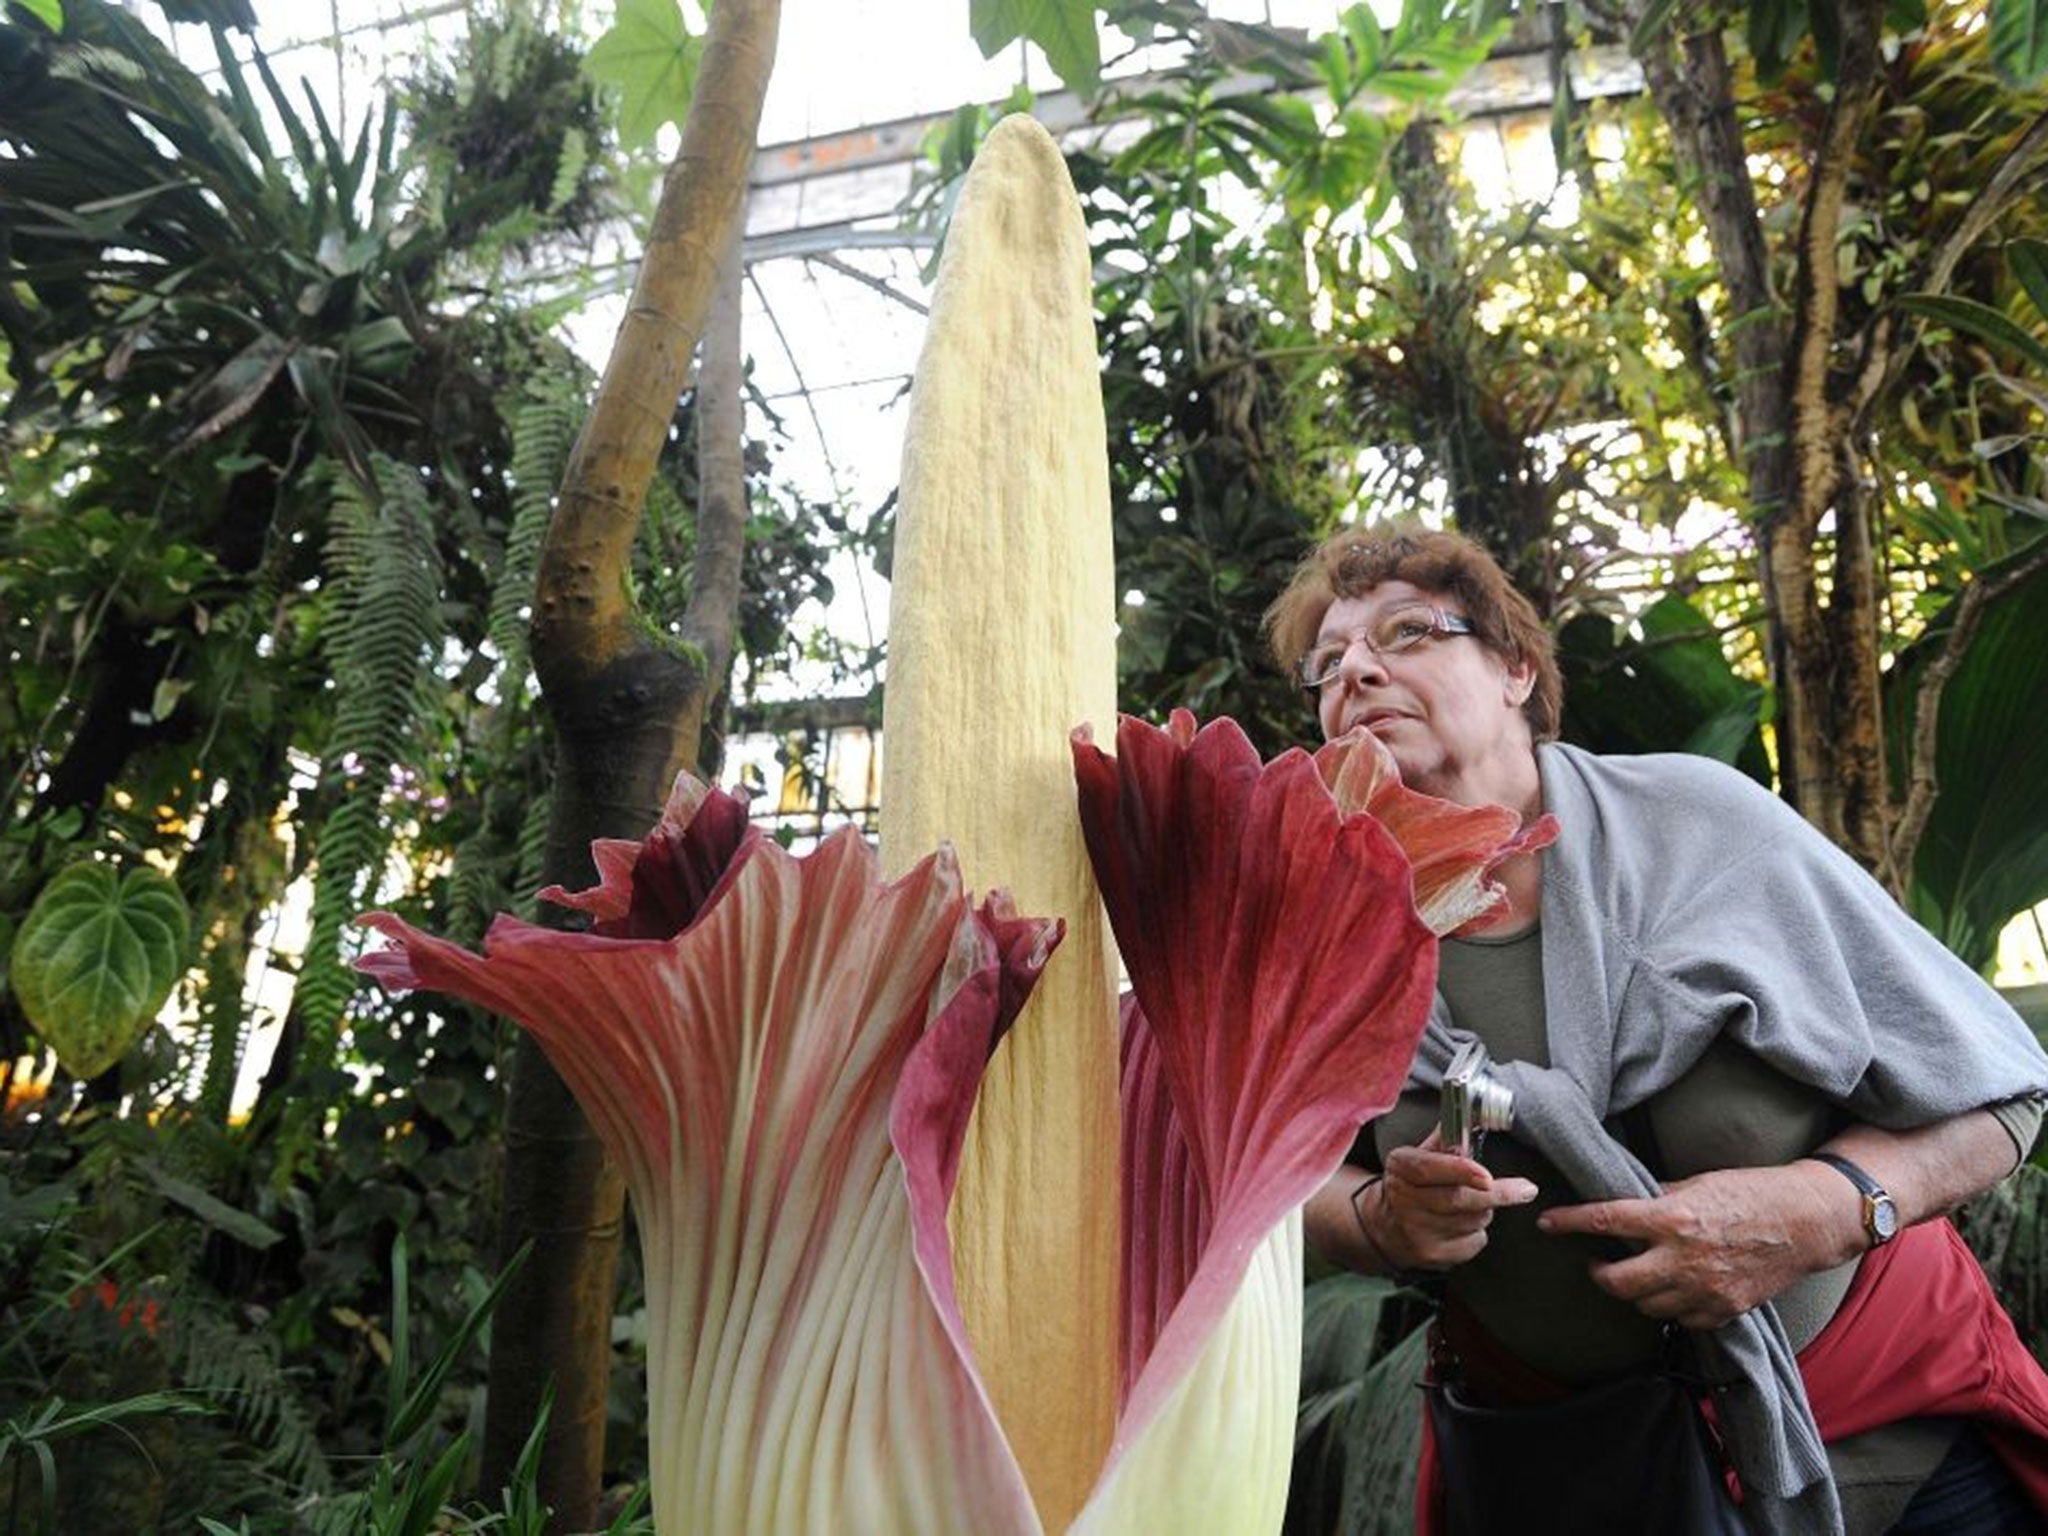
<point x="901" y="1280"/>
<point x="782" y="1053"/>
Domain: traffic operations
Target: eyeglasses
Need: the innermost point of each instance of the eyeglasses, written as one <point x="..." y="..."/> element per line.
<point x="1393" y="633"/>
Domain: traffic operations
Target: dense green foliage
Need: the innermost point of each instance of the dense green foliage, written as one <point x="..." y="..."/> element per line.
<point x="281" y="442"/>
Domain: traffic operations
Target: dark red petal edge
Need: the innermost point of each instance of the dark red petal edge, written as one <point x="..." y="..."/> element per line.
<point x="1282" y="978"/>
<point x="659" y="886"/>
<point x="997" y="959"/>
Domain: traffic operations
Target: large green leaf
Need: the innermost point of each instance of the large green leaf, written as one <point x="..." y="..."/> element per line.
<point x="650" y="56"/>
<point x="1064" y="29"/>
<point x="96" y="956"/>
<point x="1672" y="690"/>
<point x="237" y="14"/>
<point x="212" y="1210"/>
<point x="2029" y="262"/>
<point x="1984" y="855"/>
<point x="2019" y="39"/>
<point x="1650" y="25"/>
<point x="1775" y="28"/>
<point x="1361" y="1418"/>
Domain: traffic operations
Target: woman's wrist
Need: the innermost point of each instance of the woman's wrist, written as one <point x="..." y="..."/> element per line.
<point x="1372" y="1193"/>
<point x="1832" y="1216"/>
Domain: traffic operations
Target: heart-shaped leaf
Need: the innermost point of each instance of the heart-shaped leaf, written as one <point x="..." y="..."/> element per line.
<point x="95" y="958"/>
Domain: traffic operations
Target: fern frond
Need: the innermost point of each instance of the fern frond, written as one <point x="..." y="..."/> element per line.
<point x="544" y="429"/>
<point x="381" y="640"/>
<point x="533" y="842"/>
<point x="343" y="1515"/>
<point x="670" y="527"/>
<point x="568" y="169"/>
<point x="226" y="1023"/>
<point x="239" y="1372"/>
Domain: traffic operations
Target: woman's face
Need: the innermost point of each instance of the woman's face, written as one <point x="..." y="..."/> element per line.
<point x="1449" y="710"/>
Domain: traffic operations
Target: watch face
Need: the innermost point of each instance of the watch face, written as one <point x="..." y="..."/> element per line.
<point x="1884" y="1219"/>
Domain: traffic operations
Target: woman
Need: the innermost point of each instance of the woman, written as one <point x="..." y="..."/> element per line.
<point x="1743" y="1078"/>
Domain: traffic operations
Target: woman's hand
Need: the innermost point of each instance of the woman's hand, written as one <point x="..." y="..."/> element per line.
<point x="1720" y="1243"/>
<point x="1432" y="1208"/>
<point x="1429" y="1210"/>
<point x="1714" y="1245"/>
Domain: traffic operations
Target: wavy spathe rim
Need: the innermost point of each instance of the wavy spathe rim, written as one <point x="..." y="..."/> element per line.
<point x="780" y="1052"/>
<point x="1452" y="849"/>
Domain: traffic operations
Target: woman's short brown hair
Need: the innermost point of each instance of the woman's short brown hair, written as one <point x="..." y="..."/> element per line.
<point x="1351" y="562"/>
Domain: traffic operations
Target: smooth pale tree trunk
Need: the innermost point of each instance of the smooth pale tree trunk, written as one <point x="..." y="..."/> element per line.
<point x="627" y="712"/>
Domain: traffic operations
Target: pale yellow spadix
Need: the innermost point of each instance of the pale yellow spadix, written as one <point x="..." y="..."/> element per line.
<point x="1002" y="631"/>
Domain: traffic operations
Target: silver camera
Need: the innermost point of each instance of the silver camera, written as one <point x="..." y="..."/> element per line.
<point x="1474" y="1101"/>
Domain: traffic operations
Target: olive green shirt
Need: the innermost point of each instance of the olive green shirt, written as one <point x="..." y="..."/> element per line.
<point x="1532" y="1291"/>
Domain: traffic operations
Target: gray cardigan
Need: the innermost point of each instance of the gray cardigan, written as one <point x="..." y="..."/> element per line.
<point x="1681" y="899"/>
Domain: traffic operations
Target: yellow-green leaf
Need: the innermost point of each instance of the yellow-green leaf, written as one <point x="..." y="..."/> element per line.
<point x="1064" y="29"/>
<point x="651" y="58"/>
<point x="2029" y="262"/>
<point x="96" y="956"/>
<point x="1980" y="320"/>
<point x="49" y="12"/>
<point x="2019" y="39"/>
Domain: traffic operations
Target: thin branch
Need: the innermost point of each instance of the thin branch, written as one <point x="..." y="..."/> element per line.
<point x="713" y="607"/>
<point x="582" y="620"/>
<point x="867" y="617"/>
<point x="804" y="389"/>
<point x="1817" y="283"/>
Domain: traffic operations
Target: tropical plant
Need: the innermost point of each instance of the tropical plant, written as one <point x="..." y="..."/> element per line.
<point x="627" y="709"/>
<point x="1919" y="154"/>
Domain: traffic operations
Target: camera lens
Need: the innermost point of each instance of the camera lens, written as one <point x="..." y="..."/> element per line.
<point x="1493" y="1104"/>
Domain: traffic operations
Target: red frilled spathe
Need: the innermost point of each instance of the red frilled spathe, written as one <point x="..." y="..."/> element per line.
<point x="1281" y="974"/>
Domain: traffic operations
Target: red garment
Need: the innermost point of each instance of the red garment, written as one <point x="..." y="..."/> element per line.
<point x="1918" y="1335"/>
<point x="1921" y="1335"/>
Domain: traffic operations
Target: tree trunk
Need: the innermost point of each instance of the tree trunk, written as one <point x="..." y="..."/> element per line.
<point x="1795" y="426"/>
<point x="1833" y="758"/>
<point x="627" y="713"/>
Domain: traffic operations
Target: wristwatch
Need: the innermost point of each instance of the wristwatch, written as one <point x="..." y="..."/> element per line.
<point x="1880" y="1215"/>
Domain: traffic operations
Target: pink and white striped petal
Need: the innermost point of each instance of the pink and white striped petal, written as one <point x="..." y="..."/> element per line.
<point x="1282" y="977"/>
<point x="747" y="1069"/>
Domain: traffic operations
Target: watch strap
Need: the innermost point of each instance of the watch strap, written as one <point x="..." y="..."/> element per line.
<point x="1875" y="1196"/>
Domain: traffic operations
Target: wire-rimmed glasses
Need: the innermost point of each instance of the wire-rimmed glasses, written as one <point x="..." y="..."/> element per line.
<point x="1393" y="633"/>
